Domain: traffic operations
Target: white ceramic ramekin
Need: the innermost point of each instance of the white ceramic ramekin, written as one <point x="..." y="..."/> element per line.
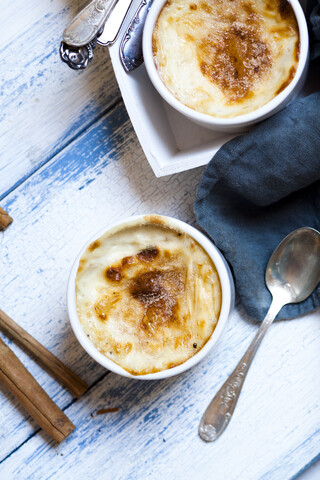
<point x="241" y="122"/>
<point x="227" y="287"/>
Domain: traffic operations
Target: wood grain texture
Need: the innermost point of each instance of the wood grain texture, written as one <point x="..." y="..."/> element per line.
<point x="58" y="225"/>
<point x="43" y="103"/>
<point x="154" y="435"/>
<point x="99" y="178"/>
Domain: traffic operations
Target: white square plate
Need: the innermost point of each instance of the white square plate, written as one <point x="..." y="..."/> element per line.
<point x="170" y="142"/>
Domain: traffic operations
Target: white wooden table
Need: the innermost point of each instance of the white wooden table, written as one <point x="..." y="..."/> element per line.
<point x="69" y="162"/>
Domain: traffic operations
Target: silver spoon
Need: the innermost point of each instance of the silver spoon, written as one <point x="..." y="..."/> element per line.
<point x="99" y="22"/>
<point x="85" y="26"/>
<point x="292" y="274"/>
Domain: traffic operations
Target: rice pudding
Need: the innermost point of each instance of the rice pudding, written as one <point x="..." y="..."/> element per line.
<point x="226" y="58"/>
<point x="148" y="295"/>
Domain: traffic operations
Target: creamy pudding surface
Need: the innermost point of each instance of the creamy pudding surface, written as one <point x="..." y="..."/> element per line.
<point x="226" y="58"/>
<point x="148" y="295"/>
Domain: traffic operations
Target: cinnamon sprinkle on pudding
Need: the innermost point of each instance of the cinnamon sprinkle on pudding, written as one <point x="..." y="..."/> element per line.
<point x="148" y="296"/>
<point x="226" y="58"/>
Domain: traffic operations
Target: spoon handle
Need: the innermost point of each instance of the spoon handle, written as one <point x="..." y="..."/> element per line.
<point x="219" y="412"/>
<point x="131" y="44"/>
<point x="86" y="25"/>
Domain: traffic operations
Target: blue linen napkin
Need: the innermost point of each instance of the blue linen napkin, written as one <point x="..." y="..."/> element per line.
<point x="261" y="186"/>
<point x="313" y="16"/>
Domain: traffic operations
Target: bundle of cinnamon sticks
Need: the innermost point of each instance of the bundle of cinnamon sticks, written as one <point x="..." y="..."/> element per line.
<point x="27" y="390"/>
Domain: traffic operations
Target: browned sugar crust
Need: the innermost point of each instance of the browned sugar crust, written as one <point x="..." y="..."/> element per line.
<point x="147" y="293"/>
<point x="238" y="53"/>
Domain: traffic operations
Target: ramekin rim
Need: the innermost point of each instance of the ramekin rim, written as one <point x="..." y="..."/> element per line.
<point x="227" y="288"/>
<point x="240" y="120"/>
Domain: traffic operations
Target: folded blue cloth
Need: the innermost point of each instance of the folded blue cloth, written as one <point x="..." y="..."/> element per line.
<point x="314" y="27"/>
<point x="260" y="187"/>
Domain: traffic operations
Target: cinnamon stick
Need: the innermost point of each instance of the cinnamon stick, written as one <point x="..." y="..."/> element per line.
<point x="107" y="410"/>
<point x="50" y="361"/>
<point x="5" y="219"/>
<point x="27" y="390"/>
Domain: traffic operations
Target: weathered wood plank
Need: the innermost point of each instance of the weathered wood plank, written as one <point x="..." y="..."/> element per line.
<point x="97" y="179"/>
<point x="154" y="435"/>
<point x="55" y="211"/>
<point x="43" y="103"/>
<point x="311" y="472"/>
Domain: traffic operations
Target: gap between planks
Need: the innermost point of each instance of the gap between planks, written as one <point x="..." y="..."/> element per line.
<point x="23" y="179"/>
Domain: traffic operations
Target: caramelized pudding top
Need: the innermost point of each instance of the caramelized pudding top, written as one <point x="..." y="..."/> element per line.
<point x="148" y="296"/>
<point x="226" y="57"/>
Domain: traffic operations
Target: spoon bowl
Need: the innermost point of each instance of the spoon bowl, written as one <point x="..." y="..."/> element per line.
<point x="293" y="270"/>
